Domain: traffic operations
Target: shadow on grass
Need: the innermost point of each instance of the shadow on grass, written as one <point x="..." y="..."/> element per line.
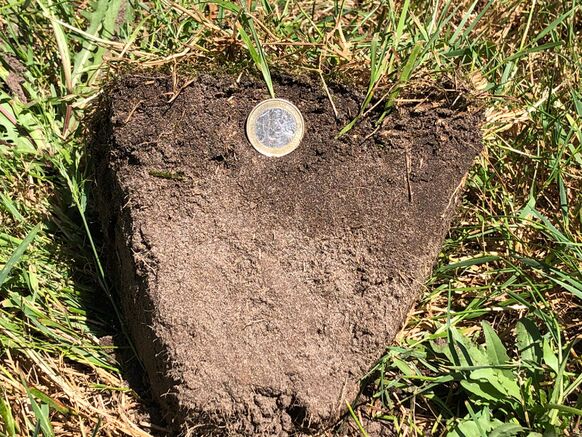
<point x="97" y="296"/>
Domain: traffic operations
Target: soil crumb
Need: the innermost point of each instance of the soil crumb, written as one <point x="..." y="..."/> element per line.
<point x="259" y="291"/>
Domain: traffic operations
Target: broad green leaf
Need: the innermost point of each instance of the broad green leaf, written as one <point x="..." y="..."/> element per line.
<point x="84" y="55"/>
<point x="230" y="6"/>
<point x="495" y="349"/>
<point x="102" y="17"/>
<point x="469" y="262"/>
<point x="506" y="430"/>
<point x="481" y="419"/>
<point x="468" y="353"/>
<point x="498" y="379"/>
<point x="482" y="389"/>
<point x="9" y="130"/>
<point x="403" y="367"/>
<point x="401" y="22"/>
<point x="10" y="206"/>
<point x="475" y="424"/>
<point x="411" y="63"/>
<point x="550" y="357"/>
<point x="529" y="341"/>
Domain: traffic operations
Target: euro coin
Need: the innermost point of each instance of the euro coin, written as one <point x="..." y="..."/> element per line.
<point x="275" y="127"/>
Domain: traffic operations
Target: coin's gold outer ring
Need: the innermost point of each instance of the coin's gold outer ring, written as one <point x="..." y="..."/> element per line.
<point x="272" y="104"/>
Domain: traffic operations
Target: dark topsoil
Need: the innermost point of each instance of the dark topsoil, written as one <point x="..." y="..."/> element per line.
<point x="258" y="291"/>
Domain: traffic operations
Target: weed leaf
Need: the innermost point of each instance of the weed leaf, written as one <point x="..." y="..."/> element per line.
<point x="529" y="341"/>
<point x="483" y="389"/>
<point x="550" y="357"/>
<point x="495" y="349"/>
<point x="506" y="430"/>
<point x="498" y="379"/>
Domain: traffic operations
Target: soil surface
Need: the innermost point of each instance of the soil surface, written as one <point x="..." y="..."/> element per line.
<point x="258" y="291"/>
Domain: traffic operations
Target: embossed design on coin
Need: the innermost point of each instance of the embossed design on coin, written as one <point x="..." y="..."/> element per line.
<point x="275" y="127"/>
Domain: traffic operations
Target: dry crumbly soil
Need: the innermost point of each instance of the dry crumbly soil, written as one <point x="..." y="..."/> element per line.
<point x="258" y="291"/>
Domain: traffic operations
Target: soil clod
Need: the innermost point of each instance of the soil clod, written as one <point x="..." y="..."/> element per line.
<point x="258" y="291"/>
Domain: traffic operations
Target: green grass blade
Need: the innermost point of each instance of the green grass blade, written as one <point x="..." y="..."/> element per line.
<point x="7" y="417"/>
<point x="46" y="399"/>
<point x="461" y="25"/>
<point x="62" y="44"/>
<point x="566" y="409"/>
<point x="401" y="22"/>
<point x="256" y="50"/>
<point x="18" y="253"/>
<point x="553" y="25"/>
<point x="41" y="413"/>
<point x="9" y="206"/>
<point x="356" y="420"/>
<point x="97" y="428"/>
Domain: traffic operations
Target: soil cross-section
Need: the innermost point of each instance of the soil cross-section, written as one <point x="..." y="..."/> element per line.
<point x="258" y="291"/>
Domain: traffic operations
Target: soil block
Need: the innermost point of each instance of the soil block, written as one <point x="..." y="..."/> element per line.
<point x="259" y="291"/>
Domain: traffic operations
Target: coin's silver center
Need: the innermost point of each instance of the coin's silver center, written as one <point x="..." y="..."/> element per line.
<point x="275" y="127"/>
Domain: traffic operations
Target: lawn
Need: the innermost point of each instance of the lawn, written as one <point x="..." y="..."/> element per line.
<point x="492" y="349"/>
